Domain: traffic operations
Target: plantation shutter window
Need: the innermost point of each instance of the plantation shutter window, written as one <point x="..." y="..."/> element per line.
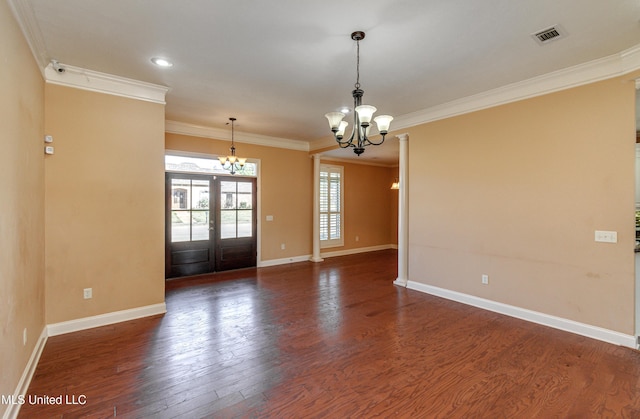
<point x="331" y="196"/>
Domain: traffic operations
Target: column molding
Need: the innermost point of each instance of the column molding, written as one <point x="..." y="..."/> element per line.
<point x="315" y="257"/>
<point x="403" y="213"/>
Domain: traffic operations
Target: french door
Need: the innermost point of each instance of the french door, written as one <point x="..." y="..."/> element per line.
<point x="210" y="224"/>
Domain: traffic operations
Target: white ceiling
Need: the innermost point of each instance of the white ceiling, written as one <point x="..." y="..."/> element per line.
<point x="278" y="66"/>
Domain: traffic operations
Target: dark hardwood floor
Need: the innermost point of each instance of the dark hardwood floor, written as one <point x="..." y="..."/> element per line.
<point x="330" y="340"/>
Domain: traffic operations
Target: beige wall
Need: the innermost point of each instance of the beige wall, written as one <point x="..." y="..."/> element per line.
<point x="22" y="203"/>
<point x="285" y="188"/>
<point x="517" y="191"/>
<point x="104" y="203"/>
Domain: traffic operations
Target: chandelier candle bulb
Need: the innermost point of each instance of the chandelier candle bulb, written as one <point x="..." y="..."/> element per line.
<point x="365" y="113"/>
<point x="334" y="118"/>
<point x="383" y="122"/>
<point x="341" y="129"/>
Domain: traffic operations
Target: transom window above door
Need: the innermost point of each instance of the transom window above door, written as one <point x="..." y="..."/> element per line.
<point x="189" y="164"/>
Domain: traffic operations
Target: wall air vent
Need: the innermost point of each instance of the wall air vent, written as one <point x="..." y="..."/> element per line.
<point x="548" y="35"/>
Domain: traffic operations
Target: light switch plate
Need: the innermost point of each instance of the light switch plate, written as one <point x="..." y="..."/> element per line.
<point x="606" y="236"/>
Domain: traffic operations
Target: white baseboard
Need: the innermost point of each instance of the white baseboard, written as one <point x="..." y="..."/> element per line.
<point x="283" y="261"/>
<point x="567" y="325"/>
<point x="23" y="385"/>
<point x="105" y="319"/>
<point x="68" y="327"/>
<point x="401" y="282"/>
<point x="358" y="250"/>
<point x="305" y="258"/>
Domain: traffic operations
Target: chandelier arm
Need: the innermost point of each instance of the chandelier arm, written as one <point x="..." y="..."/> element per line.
<point x="343" y="141"/>
<point x="351" y="137"/>
<point x="370" y="142"/>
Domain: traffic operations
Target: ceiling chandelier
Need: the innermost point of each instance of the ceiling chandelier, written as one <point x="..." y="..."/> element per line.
<point x="232" y="163"/>
<point x="359" y="138"/>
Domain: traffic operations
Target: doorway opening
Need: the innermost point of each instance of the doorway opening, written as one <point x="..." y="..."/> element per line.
<point x="210" y="219"/>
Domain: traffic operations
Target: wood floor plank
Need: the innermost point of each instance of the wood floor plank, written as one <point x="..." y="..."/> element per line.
<point x="330" y="339"/>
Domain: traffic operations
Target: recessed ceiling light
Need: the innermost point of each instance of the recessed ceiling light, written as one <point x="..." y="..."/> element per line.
<point x="161" y="62"/>
<point x="344" y="110"/>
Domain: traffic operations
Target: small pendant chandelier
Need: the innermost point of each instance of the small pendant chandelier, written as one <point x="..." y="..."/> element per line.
<point x="232" y="163"/>
<point x="359" y="138"/>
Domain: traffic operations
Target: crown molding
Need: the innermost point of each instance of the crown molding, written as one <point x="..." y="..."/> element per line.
<point x="95" y="81"/>
<point x="183" y="128"/>
<point x="590" y="72"/>
<point x="324" y="158"/>
<point x="27" y="21"/>
<point x="320" y="143"/>
<point x="630" y="59"/>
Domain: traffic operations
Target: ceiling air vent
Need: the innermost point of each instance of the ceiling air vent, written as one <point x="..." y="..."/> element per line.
<point x="549" y="34"/>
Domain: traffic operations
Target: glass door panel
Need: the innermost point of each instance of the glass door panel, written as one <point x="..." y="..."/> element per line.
<point x="200" y="194"/>
<point x="190" y="247"/>
<point x="244" y="223"/>
<point x="199" y="225"/>
<point x="236" y="247"/>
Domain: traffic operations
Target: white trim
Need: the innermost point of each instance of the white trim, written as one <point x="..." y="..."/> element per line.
<point x="399" y="282"/>
<point x="355" y="251"/>
<point x="105" y="319"/>
<point x="307" y="258"/>
<point x="321" y="143"/>
<point x="315" y="248"/>
<point x="175" y="127"/>
<point x="403" y="210"/>
<point x="630" y="59"/>
<point x="95" y="81"/>
<point x="25" y="380"/>
<point x="26" y="19"/>
<point x="326" y="158"/>
<point x="283" y="261"/>
<point x="590" y="72"/>
<point x="560" y="323"/>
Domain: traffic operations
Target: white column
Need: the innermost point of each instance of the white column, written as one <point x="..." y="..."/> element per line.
<point x="315" y="257"/>
<point x="403" y="213"/>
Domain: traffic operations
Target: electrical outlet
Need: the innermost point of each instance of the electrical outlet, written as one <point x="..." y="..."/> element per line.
<point x="282" y="247"/>
<point x="24" y="337"/>
<point x="357" y="238"/>
<point x="485" y="279"/>
<point x="88" y="293"/>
